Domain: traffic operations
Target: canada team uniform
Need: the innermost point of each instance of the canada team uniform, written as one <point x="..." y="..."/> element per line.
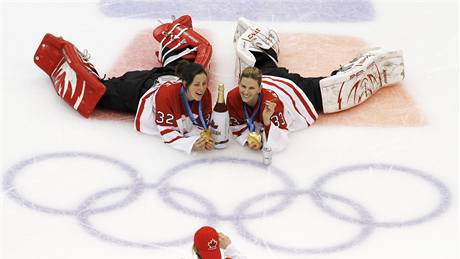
<point x="299" y="99"/>
<point x="162" y="113"/>
<point x="153" y="95"/>
<point x="293" y="111"/>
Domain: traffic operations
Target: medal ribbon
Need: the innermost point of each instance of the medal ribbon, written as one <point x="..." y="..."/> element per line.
<point x="189" y="110"/>
<point x="250" y="120"/>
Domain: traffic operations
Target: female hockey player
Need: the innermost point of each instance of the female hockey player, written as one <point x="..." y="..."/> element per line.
<point x="269" y="101"/>
<point x="207" y="244"/>
<point x="171" y="101"/>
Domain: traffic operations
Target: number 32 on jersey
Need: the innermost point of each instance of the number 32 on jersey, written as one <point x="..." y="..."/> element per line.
<point x="162" y="118"/>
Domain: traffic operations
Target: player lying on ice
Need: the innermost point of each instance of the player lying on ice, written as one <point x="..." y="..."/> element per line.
<point x="269" y="101"/>
<point x="171" y="101"/>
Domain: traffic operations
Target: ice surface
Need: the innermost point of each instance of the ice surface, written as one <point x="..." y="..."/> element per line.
<point x="95" y="188"/>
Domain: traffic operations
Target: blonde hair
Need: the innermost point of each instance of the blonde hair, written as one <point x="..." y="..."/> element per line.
<point x="253" y="73"/>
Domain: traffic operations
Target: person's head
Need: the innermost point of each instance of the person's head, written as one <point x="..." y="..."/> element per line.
<point x="194" y="78"/>
<point x="206" y="244"/>
<point x="250" y="85"/>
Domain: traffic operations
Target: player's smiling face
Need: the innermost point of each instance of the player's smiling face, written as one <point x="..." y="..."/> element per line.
<point x="197" y="88"/>
<point x="249" y="90"/>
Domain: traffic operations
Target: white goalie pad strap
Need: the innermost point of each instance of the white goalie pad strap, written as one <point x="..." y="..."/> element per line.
<point x="165" y="37"/>
<point x="172" y="49"/>
<point x="175" y="57"/>
<point x="361" y="79"/>
<point x="173" y="38"/>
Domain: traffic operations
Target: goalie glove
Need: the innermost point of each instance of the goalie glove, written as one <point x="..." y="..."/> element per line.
<point x="178" y="40"/>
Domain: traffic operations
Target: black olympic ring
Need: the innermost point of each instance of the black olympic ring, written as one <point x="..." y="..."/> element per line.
<point x="136" y="188"/>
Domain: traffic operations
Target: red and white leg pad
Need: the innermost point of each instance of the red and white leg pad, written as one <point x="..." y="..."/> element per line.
<point x="361" y="78"/>
<point x="178" y="40"/>
<point x="73" y="77"/>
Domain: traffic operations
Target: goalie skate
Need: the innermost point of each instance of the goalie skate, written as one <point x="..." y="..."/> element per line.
<point x="361" y="78"/>
<point x="73" y="77"/>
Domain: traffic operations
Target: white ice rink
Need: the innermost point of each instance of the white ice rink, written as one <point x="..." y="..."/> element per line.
<point x="79" y="188"/>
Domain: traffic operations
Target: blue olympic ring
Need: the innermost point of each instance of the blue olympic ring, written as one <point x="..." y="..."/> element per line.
<point x="11" y="191"/>
<point x="137" y="187"/>
<point x="86" y="212"/>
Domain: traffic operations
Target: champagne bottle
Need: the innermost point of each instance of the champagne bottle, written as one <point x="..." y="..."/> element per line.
<point x="220" y="105"/>
<point x="220" y="120"/>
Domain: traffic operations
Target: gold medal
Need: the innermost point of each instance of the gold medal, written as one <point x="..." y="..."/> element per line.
<point x="254" y="138"/>
<point x="206" y="134"/>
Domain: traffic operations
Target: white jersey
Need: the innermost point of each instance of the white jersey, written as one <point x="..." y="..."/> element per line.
<point x="161" y="112"/>
<point x="293" y="111"/>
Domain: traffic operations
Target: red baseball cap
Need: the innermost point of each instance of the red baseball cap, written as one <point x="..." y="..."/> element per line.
<point x="206" y="242"/>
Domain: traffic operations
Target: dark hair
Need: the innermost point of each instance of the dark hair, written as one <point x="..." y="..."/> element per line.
<point x="187" y="71"/>
<point x="253" y="73"/>
<point x="196" y="252"/>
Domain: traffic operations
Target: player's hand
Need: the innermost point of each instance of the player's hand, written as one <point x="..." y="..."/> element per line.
<point x="209" y="144"/>
<point x="200" y="144"/>
<point x="268" y="111"/>
<point x="224" y="240"/>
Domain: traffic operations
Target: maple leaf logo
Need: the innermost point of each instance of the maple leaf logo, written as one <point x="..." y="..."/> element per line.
<point x="212" y="244"/>
<point x="213" y="125"/>
<point x="64" y="77"/>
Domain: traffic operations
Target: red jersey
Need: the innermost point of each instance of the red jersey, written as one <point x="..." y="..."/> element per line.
<point x="293" y="111"/>
<point x="162" y="112"/>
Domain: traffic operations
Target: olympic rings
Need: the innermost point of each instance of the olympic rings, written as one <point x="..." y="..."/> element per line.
<point x="362" y="235"/>
<point x="285" y="180"/>
<point x="210" y="214"/>
<point x="441" y="188"/>
<point x="83" y="217"/>
<point x="11" y="190"/>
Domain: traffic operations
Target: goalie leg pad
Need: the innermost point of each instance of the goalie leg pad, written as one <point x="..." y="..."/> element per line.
<point x="256" y="38"/>
<point x="178" y="39"/>
<point x="73" y="77"/>
<point x="358" y="80"/>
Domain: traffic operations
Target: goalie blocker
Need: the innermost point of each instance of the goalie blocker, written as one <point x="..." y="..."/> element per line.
<point x="73" y="77"/>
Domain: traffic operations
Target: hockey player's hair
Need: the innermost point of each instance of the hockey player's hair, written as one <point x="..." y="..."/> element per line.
<point x="187" y="71"/>
<point x="195" y="251"/>
<point x="253" y="73"/>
